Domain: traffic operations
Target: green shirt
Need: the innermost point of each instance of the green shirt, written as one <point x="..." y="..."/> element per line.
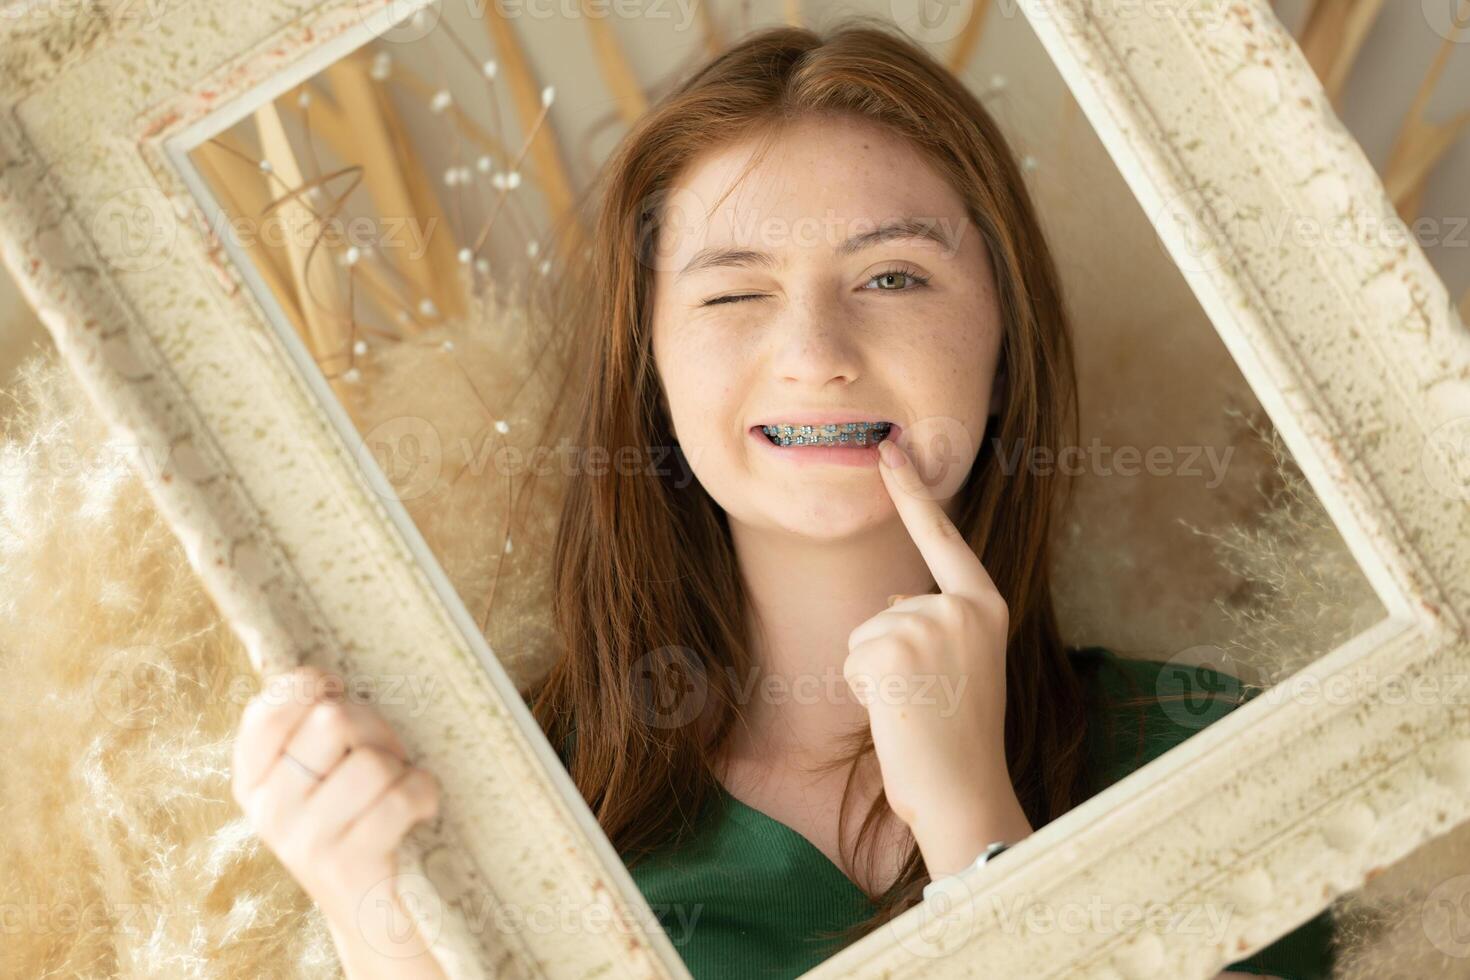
<point x="745" y="897"/>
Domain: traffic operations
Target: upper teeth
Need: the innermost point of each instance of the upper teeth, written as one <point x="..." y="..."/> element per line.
<point x="831" y="434"/>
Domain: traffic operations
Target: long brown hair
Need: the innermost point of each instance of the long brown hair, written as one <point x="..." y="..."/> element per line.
<point x="648" y="600"/>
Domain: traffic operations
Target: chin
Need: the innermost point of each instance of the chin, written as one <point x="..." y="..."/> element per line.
<point x="824" y="519"/>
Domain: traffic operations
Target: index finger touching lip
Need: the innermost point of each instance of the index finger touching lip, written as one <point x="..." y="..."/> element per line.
<point x="955" y="566"/>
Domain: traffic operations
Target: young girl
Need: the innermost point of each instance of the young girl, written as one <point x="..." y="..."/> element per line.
<point x="813" y="665"/>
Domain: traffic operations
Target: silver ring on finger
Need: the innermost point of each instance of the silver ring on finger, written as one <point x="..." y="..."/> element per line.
<point x="318" y="777"/>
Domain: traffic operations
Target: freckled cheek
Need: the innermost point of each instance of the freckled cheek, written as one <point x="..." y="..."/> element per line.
<point x="945" y="363"/>
<point x="702" y="382"/>
<point x="931" y="355"/>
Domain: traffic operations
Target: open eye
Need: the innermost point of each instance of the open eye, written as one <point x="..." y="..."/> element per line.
<point x="918" y="280"/>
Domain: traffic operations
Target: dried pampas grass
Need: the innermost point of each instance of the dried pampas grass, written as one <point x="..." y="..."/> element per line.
<point x="1302" y="596"/>
<point x="125" y="853"/>
<point x="1301" y="592"/>
<point x="468" y="421"/>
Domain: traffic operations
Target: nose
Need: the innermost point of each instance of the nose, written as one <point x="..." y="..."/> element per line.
<point x="813" y="345"/>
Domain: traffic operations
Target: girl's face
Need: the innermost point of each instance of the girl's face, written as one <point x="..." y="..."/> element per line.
<point x="761" y="314"/>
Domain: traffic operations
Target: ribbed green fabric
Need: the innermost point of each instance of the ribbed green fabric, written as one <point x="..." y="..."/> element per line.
<point x="1138" y="736"/>
<point x="746" y="896"/>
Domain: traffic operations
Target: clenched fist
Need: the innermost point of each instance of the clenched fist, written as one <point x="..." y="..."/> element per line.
<point x="327" y="786"/>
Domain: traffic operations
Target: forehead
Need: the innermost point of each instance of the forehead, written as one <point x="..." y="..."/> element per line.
<point x="822" y="181"/>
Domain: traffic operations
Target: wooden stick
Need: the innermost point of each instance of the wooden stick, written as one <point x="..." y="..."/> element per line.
<point x="1416" y="155"/>
<point x="242" y="195"/>
<point x="1333" y="37"/>
<point x="387" y="295"/>
<point x="441" y="253"/>
<point x="969" y="39"/>
<point x="1420" y="146"/>
<point x="328" y="123"/>
<point x="526" y="97"/>
<point x="415" y="83"/>
<point x="324" y="304"/>
<point x="390" y="170"/>
<point x="1465" y="308"/>
<point x="714" y="40"/>
<point x="616" y="71"/>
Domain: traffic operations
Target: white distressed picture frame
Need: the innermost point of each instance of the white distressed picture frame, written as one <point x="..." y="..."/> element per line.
<point x="1221" y="130"/>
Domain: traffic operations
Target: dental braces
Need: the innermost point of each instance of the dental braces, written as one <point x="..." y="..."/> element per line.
<point x="832" y="434"/>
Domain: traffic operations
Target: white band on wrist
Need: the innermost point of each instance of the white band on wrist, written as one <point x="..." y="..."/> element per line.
<point x="991" y="850"/>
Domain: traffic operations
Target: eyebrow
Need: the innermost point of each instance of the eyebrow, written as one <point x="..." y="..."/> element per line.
<point x="900" y="229"/>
